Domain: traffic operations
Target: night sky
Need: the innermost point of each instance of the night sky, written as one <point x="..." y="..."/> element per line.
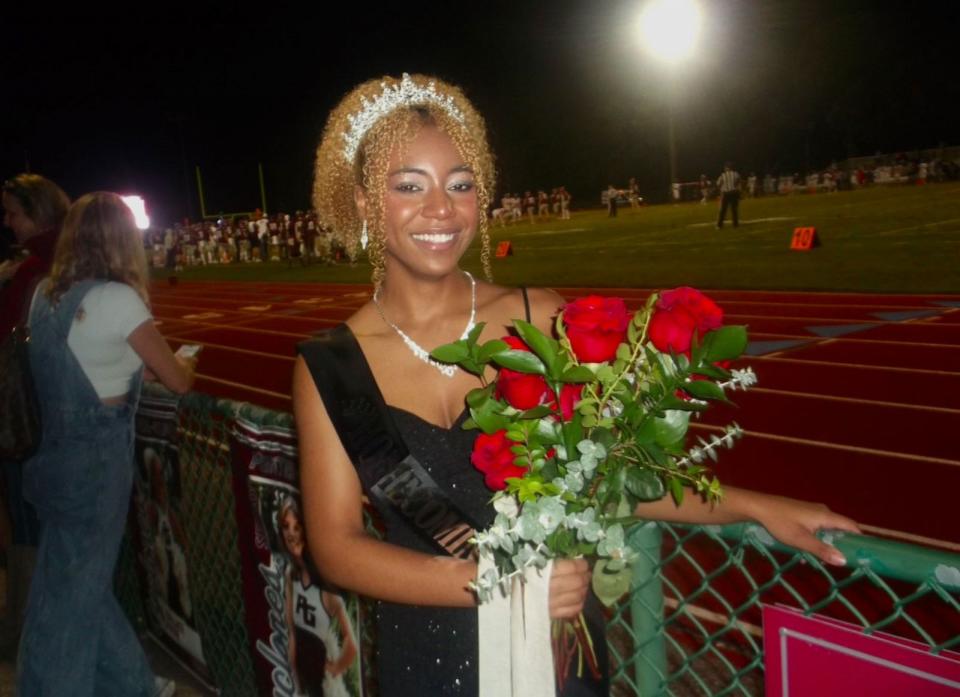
<point x="569" y="97"/>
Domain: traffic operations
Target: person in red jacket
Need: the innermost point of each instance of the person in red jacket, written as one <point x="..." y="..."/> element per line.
<point x="33" y="208"/>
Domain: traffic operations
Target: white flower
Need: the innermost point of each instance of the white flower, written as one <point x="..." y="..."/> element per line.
<point x="551" y="513"/>
<point x="486" y="584"/>
<point x="528" y="524"/>
<point x="507" y="505"/>
<point x="588" y="529"/>
<point x="499" y="533"/>
<point x="528" y="556"/>
<point x="573" y="482"/>
<point x="590" y="454"/>
<point x="613" y="545"/>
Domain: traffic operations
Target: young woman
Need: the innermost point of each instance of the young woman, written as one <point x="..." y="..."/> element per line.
<point x="91" y="335"/>
<point x="406" y="163"/>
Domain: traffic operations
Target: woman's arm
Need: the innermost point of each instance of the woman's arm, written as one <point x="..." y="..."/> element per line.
<point x="175" y="372"/>
<point x="332" y="499"/>
<point x="793" y="522"/>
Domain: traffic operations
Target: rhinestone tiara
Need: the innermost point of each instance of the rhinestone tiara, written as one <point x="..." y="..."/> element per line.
<point x="407" y="93"/>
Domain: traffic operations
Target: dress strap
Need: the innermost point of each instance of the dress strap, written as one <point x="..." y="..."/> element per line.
<point x="526" y="303"/>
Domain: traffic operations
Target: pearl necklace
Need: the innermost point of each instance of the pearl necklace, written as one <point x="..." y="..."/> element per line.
<point x="415" y="348"/>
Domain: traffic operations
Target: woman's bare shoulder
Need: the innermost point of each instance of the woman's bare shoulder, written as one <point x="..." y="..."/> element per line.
<point x="503" y="304"/>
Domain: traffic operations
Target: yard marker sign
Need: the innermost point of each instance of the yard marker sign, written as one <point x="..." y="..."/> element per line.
<point x="804" y="239"/>
<point x="504" y="249"/>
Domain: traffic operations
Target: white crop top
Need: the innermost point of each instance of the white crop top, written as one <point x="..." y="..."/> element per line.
<point x="111" y="311"/>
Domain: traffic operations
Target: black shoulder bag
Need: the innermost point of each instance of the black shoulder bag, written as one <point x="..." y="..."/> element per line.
<point x="20" y="429"/>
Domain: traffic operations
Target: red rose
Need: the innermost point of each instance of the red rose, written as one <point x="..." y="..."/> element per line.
<point x="678" y="314"/>
<point x="596" y="326"/>
<point x="521" y="390"/>
<point x="492" y="456"/>
<point x="569" y="396"/>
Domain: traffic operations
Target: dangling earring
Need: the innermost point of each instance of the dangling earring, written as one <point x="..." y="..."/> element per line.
<point x="364" y="237"/>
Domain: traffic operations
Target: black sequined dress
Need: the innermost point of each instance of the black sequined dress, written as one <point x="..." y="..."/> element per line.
<point x="425" y="651"/>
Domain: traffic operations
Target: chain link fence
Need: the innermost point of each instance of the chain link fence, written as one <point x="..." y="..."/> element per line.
<point x="691" y="624"/>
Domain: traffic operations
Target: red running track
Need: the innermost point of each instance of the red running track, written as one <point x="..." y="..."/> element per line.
<point x="856" y="404"/>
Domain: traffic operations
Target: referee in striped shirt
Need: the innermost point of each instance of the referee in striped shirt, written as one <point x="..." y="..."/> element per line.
<point x="729" y="184"/>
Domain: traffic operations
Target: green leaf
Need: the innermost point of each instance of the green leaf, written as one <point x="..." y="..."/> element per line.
<point x="489" y="422"/>
<point x="475" y="333"/>
<point x="657" y="454"/>
<point x="671" y="427"/>
<point x="572" y="432"/>
<point x="536" y="412"/>
<point x="623" y="352"/>
<point x="712" y="371"/>
<point x="477" y="397"/>
<point x="489" y="349"/>
<point x="605" y="374"/>
<point x="610" y="586"/>
<point x="521" y="361"/>
<point x="471" y="366"/>
<point x="704" y="389"/>
<point x="577" y="374"/>
<point x="550" y="470"/>
<point x="644" y="484"/>
<point x="469" y="424"/>
<point x="451" y="353"/>
<point x="676" y="490"/>
<point x="542" y="345"/>
<point x="588" y="408"/>
<point x="647" y="432"/>
<point x="725" y="344"/>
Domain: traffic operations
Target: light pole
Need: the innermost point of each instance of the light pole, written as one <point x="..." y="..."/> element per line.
<point x="669" y="30"/>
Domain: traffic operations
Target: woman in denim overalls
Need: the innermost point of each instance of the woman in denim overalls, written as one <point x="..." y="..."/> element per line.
<point x="76" y="640"/>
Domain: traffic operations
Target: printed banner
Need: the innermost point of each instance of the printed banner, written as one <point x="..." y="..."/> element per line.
<point x="304" y="635"/>
<point x="162" y="541"/>
<point x="822" y="657"/>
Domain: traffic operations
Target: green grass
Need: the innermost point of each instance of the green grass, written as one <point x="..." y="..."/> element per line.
<point x="892" y="239"/>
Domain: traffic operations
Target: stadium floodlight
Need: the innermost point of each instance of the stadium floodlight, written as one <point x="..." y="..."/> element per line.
<point x="139" y="208"/>
<point x="670" y="28"/>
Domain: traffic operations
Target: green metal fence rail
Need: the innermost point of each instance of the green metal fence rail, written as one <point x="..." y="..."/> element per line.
<point x="690" y="625"/>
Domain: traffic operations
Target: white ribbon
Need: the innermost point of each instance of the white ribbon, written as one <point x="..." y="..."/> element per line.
<point x="516" y="654"/>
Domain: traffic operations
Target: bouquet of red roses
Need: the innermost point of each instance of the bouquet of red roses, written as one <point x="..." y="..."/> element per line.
<point x="577" y="430"/>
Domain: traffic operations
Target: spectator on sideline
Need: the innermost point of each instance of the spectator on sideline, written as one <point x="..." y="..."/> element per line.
<point x="92" y="333"/>
<point x="33" y="208"/>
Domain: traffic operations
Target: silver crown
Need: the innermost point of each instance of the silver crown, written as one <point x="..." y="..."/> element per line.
<point x="407" y="93"/>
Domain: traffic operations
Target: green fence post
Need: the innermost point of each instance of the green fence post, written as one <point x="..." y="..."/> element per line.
<point x="646" y="610"/>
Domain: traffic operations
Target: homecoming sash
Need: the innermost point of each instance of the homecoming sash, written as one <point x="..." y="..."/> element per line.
<point x="362" y="419"/>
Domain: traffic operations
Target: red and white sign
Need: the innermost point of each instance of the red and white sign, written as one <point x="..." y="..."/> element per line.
<point x="821" y="657"/>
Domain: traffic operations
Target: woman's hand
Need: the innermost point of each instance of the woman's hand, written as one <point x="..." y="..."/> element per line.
<point x="189" y="364"/>
<point x="795" y="523"/>
<point x="569" y="584"/>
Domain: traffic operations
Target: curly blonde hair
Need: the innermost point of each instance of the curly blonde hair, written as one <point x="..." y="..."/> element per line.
<point x="336" y="178"/>
<point x="99" y="240"/>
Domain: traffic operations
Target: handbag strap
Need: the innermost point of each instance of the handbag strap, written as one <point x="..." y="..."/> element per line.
<point x="372" y="441"/>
